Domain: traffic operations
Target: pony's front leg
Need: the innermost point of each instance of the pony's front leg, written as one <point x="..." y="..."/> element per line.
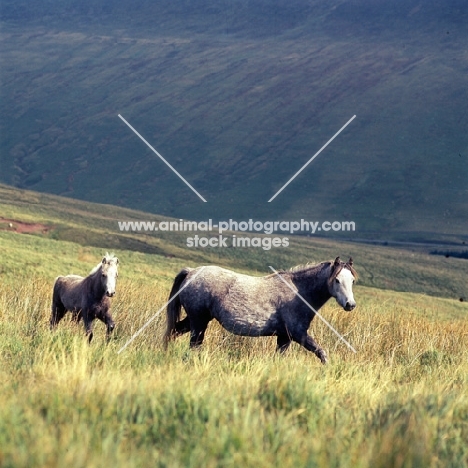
<point x="309" y="344"/>
<point x="88" y="323"/>
<point x="110" y="325"/>
<point x="105" y="317"/>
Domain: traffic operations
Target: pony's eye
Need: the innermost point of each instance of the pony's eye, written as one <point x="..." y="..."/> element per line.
<point x="104" y="275"/>
<point x="337" y="281"/>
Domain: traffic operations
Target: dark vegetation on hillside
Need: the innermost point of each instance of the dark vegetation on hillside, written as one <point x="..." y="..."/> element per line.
<point x="451" y="253"/>
<point x="238" y="95"/>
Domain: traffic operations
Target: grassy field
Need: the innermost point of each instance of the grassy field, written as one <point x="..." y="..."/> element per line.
<point x="400" y="401"/>
<point x="238" y="96"/>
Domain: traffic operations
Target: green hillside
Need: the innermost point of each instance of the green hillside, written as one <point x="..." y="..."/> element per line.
<point x="85" y="225"/>
<point x="238" y="95"/>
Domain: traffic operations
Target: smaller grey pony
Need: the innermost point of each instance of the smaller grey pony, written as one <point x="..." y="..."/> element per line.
<point x="258" y="306"/>
<point x="87" y="298"/>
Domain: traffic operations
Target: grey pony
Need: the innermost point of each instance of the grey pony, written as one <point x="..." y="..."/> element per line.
<point x="258" y="306"/>
<point x="87" y="298"/>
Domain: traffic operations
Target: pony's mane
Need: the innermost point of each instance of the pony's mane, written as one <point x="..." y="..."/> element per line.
<point x="309" y="266"/>
<point x="305" y="266"/>
<point x="109" y="257"/>
<point x="299" y="268"/>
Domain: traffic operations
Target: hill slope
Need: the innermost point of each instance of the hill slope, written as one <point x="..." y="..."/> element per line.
<point x="84" y="225"/>
<point x="238" y="96"/>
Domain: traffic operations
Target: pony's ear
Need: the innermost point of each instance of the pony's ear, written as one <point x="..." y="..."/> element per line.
<point x="337" y="262"/>
<point x="350" y="261"/>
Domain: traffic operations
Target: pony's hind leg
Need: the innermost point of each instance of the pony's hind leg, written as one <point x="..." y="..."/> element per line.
<point x="179" y="328"/>
<point x="182" y="327"/>
<point x="282" y="343"/>
<point x="197" y="330"/>
<point x="58" y="311"/>
<point x="76" y="316"/>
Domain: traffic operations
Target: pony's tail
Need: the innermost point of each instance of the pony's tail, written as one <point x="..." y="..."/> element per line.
<point x="174" y="306"/>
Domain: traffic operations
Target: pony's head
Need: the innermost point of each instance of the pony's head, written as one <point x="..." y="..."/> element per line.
<point x="340" y="283"/>
<point x="109" y="273"/>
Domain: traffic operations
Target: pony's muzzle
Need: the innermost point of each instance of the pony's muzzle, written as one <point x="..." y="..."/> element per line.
<point x="349" y="306"/>
<point x="110" y="293"/>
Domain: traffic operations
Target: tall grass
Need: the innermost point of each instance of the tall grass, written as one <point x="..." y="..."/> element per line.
<point x="399" y="401"/>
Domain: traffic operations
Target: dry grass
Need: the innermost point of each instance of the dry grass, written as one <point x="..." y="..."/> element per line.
<point x="399" y="401"/>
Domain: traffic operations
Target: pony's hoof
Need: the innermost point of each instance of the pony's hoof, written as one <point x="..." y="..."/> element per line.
<point x="322" y="355"/>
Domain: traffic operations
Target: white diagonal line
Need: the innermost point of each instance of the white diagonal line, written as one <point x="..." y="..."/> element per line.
<point x="159" y="311"/>
<point x="312" y="158"/>
<point x="310" y="307"/>
<point x="170" y="167"/>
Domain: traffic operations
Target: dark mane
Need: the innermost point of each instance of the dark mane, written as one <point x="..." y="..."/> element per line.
<point x="299" y="268"/>
<point x="305" y="268"/>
